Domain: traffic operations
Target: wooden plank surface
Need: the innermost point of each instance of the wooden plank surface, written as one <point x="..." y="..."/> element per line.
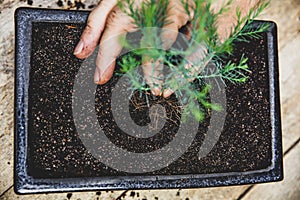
<point x="109" y="195"/>
<point x="285" y="13"/>
<point x="6" y="112"/>
<point x="289" y="188"/>
<point x="290" y="93"/>
<point x="218" y="193"/>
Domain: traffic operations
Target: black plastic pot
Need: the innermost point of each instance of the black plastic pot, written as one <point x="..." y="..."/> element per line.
<point x="50" y="155"/>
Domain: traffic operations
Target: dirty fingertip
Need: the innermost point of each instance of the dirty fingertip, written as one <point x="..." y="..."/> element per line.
<point x="79" y="47"/>
<point x="97" y="76"/>
<point x="104" y="74"/>
<point x="156" y="91"/>
<point x="167" y="93"/>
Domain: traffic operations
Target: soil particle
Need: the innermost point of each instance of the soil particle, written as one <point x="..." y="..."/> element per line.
<point x="60" y="3"/>
<point x="69" y="195"/>
<point x="68" y="4"/>
<point x="132" y="194"/>
<point x="29" y="2"/>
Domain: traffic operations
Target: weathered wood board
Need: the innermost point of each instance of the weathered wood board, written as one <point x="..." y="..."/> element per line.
<point x="287" y="16"/>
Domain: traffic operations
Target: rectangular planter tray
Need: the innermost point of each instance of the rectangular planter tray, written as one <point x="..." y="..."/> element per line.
<point x="249" y="151"/>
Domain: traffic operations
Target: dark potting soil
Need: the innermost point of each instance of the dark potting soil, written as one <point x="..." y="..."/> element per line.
<point x="56" y="150"/>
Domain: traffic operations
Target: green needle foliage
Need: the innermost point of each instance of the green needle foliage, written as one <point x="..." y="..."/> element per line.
<point x="186" y="77"/>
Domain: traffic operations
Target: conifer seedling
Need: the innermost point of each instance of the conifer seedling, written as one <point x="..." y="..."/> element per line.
<point x="188" y="82"/>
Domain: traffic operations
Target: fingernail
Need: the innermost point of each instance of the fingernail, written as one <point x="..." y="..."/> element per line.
<point x="78" y="48"/>
<point x="104" y="74"/>
<point x="156" y="92"/>
<point x="96" y="80"/>
<point x="97" y="76"/>
<point x="99" y="83"/>
<point x="102" y="80"/>
<point x="167" y="93"/>
<point x="99" y="80"/>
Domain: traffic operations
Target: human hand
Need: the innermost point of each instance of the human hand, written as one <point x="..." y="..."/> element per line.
<point x="107" y="20"/>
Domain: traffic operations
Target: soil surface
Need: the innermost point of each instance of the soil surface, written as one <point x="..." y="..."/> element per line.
<point x="55" y="147"/>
